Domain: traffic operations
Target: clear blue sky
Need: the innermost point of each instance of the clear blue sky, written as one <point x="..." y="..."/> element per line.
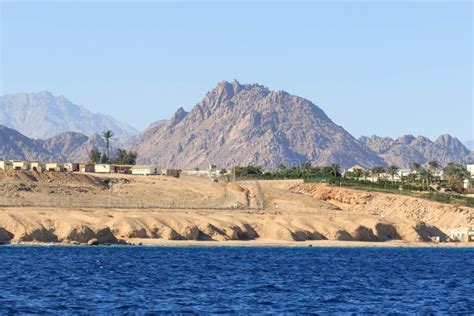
<point x="374" y="68"/>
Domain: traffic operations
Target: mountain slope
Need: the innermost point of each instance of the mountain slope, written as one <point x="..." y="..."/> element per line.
<point x="65" y="147"/>
<point x="249" y="124"/>
<point x="72" y="146"/>
<point x="43" y="115"/>
<point x="408" y="149"/>
<point x="14" y="145"/>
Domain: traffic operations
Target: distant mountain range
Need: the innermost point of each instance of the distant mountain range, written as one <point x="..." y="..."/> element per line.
<point x="70" y="146"/>
<point x="43" y="115"/>
<point x="409" y="149"/>
<point x="234" y="124"/>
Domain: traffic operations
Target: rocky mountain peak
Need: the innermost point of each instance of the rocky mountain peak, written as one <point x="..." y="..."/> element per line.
<point x="249" y="124"/>
<point x="406" y="139"/>
<point x="178" y="116"/>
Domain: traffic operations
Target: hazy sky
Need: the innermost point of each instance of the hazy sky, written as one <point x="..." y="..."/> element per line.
<point x="374" y="68"/>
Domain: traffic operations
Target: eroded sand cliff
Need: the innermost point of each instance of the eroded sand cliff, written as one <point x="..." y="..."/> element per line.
<point x="75" y="208"/>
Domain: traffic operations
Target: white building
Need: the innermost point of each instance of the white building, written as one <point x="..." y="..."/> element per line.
<point x="54" y="166"/>
<point x="465" y="234"/>
<point x="102" y="168"/>
<point x="20" y="165"/>
<point x="5" y="165"/>
<point x="469" y="183"/>
<point x="470" y="168"/>
<point x="145" y="170"/>
<point x="71" y="167"/>
<point x="171" y="172"/>
<point x="354" y="167"/>
<point x="199" y="173"/>
<point x="36" y="166"/>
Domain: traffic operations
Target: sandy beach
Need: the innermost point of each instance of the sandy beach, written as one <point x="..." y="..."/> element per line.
<point x="308" y="243"/>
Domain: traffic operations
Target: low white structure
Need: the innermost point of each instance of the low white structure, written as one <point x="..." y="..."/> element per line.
<point x="171" y="172"/>
<point x="71" y="167"/>
<point x="144" y="170"/>
<point x="20" y="165"/>
<point x="351" y="169"/>
<point x="36" y="166"/>
<point x="102" y="168"/>
<point x="54" y="166"/>
<point x="199" y="173"/>
<point x="465" y="234"/>
<point x="470" y="168"/>
<point x="5" y="165"/>
<point x="86" y="167"/>
<point x="405" y="172"/>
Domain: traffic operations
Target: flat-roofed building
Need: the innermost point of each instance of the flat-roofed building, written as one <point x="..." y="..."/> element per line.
<point x="54" y="166"/>
<point x="86" y="167"/>
<point x="127" y="169"/>
<point x="111" y="168"/>
<point x="102" y="168"/>
<point x="196" y="172"/>
<point x="470" y="168"/>
<point x="20" y="165"/>
<point x="5" y="165"/>
<point x="144" y="170"/>
<point x="36" y="166"/>
<point x="71" y="167"/>
<point x="465" y="234"/>
<point x="171" y="172"/>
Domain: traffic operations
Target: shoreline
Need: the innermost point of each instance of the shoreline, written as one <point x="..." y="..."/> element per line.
<point x="148" y="242"/>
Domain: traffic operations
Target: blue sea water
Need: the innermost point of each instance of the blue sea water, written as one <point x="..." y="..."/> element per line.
<point x="235" y="280"/>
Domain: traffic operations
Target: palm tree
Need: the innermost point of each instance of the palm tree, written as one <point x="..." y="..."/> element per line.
<point x="335" y="170"/>
<point x="366" y="173"/>
<point x="433" y="166"/>
<point x="357" y="173"/>
<point x="107" y="135"/>
<point x="376" y="171"/>
<point x="417" y="169"/>
<point x="425" y="176"/>
<point x="456" y="174"/>
<point x="392" y="170"/>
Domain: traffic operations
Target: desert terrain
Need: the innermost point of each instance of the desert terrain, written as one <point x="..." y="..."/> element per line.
<point x="74" y="208"/>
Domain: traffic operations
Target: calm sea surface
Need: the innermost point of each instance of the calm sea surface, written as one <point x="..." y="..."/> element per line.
<point x="235" y="280"/>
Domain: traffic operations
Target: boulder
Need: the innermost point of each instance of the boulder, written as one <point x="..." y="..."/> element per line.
<point x="93" y="242"/>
